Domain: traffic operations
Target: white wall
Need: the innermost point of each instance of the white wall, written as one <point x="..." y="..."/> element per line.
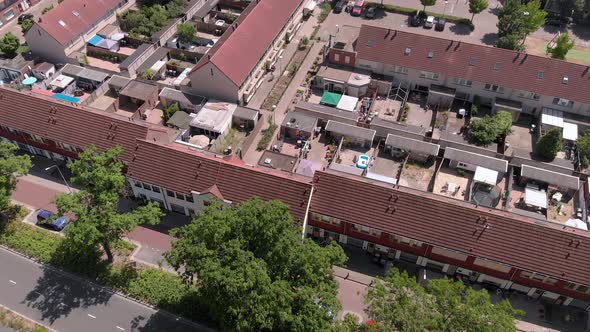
<point x="210" y="82"/>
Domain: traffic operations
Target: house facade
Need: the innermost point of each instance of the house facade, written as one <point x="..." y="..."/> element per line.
<point x="11" y="9"/>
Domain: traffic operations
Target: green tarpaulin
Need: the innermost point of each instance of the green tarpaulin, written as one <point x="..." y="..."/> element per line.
<point x="331" y="98"/>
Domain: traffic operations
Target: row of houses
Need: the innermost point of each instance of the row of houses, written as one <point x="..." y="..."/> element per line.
<point x="487" y="245"/>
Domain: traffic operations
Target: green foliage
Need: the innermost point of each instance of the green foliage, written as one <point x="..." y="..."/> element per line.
<point x="563" y="44"/>
<point x="98" y="223"/>
<point x="266" y="136"/>
<point x="477" y="6"/>
<point x="255" y="270"/>
<point x="30" y="240"/>
<point x="427" y="3"/>
<point x="583" y="144"/>
<point x="516" y="21"/>
<point x="168" y="111"/>
<point x="549" y="144"/>
<point x="176" y="8"/>
<point x="326" y="9"/>
<point x="151" y="17"/>
<point x="26" y="25"/>
<point x="9" y="44"/>
<point x="147" y="74"/>
<point x="186" y="32"/>
<point x="475" y="105"/>
<point x="303" y="43"/>
<point x="11" y="167"/>
<point x="46" y="9"/>
<point x="487" y="130"/>
<point x="399" y="303"/>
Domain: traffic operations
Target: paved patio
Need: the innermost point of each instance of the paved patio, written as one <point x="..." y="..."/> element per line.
<point x="448" y="177"/>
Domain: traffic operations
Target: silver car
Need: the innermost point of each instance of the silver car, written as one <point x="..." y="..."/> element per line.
<point x="429" y="23"/>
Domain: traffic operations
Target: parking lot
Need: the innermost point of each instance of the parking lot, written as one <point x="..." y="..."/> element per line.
<point x="485" y="23"/>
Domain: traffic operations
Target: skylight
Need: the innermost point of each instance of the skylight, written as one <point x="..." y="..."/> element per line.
<point x="565" y="80"/>
<point x="540" y="74"/>
<point x="497" y="66"/>
<point x="430" y="55"/>
<point x="75" y="13"/>
<point x="472" y="61"/>
<point x="407" y="51"/>
<point x="62" y="23"/>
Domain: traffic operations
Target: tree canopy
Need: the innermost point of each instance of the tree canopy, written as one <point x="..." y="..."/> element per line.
<point x="257" y="273"/>
<point x="583" y="145"/>
<point x="101" y="181"/>
<point x="399" y="303"/>
<point x="9" y="44"/>
<point x="477" y="6"/>
<point x="186" y="32"/>
<point x="549" y="144"/>
<point x="486" y="130"/>
<point x="427" y="3"/>
<point x="563" y="45"/>
<point x="516" y="21"/>
<point x="11" y="167"/>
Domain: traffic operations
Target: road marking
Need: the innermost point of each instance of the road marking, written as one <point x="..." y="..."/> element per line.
<point x="12" y="282"/>
<point x="120" y="328"/>
<point x="89" y="315"/>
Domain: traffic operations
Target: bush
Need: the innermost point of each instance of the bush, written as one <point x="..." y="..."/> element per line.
<point x="46" y="9"/>
<point x="30" y="240"/>
<point x="485" y="131"/>
<point x="549" y="144"/>
<point x="326" y="9"/>
<point x="266" y="135"/>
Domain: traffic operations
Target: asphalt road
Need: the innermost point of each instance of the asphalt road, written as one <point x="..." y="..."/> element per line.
<point x="66" y="303"/>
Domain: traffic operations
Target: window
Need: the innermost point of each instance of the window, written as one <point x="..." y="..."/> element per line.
<point x="325" y="219"/>
<point x="404" y="240"/>
<point x="180" y="196"/>
<point x="429" y="75"/>
<point x="582" y="289"/>
<point x="366" y="230"/>
<point x="346" y="59"/>
<point x="526" y="274"/>
<point x="38" y="138"/>
<point x="407" y="51"/>
<point x="563" y="102"/>
<point x="540" y="74"/>
<point x="462" y="81"/>
<point x="170" y="193"/>
<point x="400" y="69"/>
<point x="336" y="57"/>
<point x="189" y="198"/>
<point x="497" y="66"/>
<point x="494" y="88"/>
<point x="449" y="253"/>
<point x="147" y="187"/>
<point x="156" y="189"/>
<point x="529" y="95"/>
<point x="570" y="285"/>
<point x="138" y="184"/>
<point x="543" y="278"/>
<point x="471" y="61"/>
<point x="492" y="265"/>
<point x="9" y="15"/>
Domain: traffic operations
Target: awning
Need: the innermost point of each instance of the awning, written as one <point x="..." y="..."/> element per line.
<point x="108" y="44"/>
<point x="570" y="131"/>
<point x="330" y="98"/>
<point x="94" y="40"/>
<point x="535" y="197"/>
<point x="347" y="103"/>
<point x="382" y="178"/>
<point x="62" y="81"/>
<point x="552" y="117"/>
<point x="118" y="36"/>
<point x="577" y="223"/>
<point x="485" y="175"/>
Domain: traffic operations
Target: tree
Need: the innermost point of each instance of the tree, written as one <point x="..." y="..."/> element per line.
<point x="255" y="270"/>
<point x="399" y="303"/>
<point x="12" y="166"/>
<point x="549" y="144"/>
<point x="476" y="7"/>
<point x="9" y="44"/>
<point x="487" y="130"/>
<point x="168" y="111"/>
<point x="26" y="25"/>
<point x="563" y="45"/>
<point x="101" y="181"/>
<point x="511" y="26"/>
<point x="427" y="3"/>
<point x="176" y="8"/>
<point x="583" y="144"/>
<point x="534" y="17"/>
<point x="186" y="32"/>
<point x="510" y="42"/>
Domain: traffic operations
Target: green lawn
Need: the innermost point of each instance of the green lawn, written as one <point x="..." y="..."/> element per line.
<point x="575" y="54"/>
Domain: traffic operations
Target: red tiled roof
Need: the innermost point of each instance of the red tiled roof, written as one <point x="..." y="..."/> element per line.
<point x="89" y="11"/>
<point x="524" y="243"/>
<point x="177" y="168"/>
<point x="65" y="123"/>
<point x="214" y="190"/>
<point x="240" y="49"/>
<point x="517" y="70"/>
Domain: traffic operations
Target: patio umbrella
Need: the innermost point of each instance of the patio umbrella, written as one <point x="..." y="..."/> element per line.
<point x="29" y="80"/>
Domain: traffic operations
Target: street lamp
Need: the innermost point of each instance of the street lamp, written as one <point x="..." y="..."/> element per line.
<point x="62" y="176"/>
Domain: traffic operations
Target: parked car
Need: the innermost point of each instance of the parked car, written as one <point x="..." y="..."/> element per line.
<point x="416" y="20"/>
<point x="24" y="17"/>
<point x="429" y="23"/>
<point x="357" y="10"/>
<point x="370" y="13"/>
<point x="58" y="224"/>
<point x="339" y="7"/>
<point x="440" y="24"/>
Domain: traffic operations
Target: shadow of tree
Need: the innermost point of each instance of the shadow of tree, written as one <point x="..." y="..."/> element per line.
<point x="163" y="321"/>
<point x="580" y="31"/>
<point x="460" y="29"/>
<point x="489" y="39"/>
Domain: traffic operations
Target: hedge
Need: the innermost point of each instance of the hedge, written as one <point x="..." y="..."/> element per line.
<point x="412" y="11"/>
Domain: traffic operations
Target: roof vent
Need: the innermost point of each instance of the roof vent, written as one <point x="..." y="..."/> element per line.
<point x="62" y="23"/>
<point x="75" y="13"/>
<point x="407" y="51"/>
<point x="540" y="74"/>
<point x="565" y="80"/>
<point x="430" y="54"/>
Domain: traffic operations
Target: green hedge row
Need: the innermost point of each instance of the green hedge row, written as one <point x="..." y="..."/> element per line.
<point x="412" y="11"/>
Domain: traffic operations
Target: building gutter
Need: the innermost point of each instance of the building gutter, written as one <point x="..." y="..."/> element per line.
<point x="306" y="214"/>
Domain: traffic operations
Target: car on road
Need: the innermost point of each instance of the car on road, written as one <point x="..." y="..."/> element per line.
<point x="370" y="13"/>
<point x="24" y="17"/>
<point x="416" y="20"/>
<point x="440" y="24"/>
<point x="339" y="7"/>
<point x="429" y="23"/>
<point x="58" y="224"/>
